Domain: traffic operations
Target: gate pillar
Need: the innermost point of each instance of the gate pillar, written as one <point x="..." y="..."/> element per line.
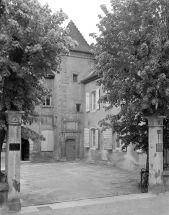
<point x="155" y="140"/>
<point x="13" y="145"/>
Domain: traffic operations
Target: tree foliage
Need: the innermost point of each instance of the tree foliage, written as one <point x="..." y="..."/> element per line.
<point x="31" y="43"/>
<point x="132" y="59"/>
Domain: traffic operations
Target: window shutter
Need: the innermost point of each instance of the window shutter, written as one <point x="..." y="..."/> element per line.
<point x="44" y="142"/>
<point x="97" y="138"/>
<point x="47" y="145"/>
<point x="86" y="138"/>
<point x="97" y="99"/>
<point x="50" y="141"/>
<point x="87" y="102"/>
<point x="107" y="139"/>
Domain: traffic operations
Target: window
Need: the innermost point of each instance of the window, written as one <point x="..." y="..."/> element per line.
<point x="78" y="108"/>
<point x="48" y="101"/>
<point x="94" y="138"/>
<point x="75" y="77"/>
<point x="92" y="99"/>
<point x="106" y="96"/>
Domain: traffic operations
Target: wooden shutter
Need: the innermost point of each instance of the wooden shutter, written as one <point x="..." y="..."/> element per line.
<point x="87" y="102"/>
<point x="97" y="138"/>
<point x="50" y="141"/>
<point x="107" y="139"/>
<point x="97" y="99"/>
<point x="47" y="144"/>
<point x="86" y="138"/>
<point x="44" y="142"/>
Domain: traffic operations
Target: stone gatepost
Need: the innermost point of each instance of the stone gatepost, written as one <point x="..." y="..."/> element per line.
<point x="155" y="140"/>
<point x="13" y="146"/>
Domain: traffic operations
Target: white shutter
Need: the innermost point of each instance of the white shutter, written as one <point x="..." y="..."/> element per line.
<point x="47" y="144"/>
<point x="87" y="102"/>
<point x="107" y="139"/>
<point x="97" y="99"/>
<point x="86" y="138"/>
<point x="97" y="138"/>
<point x="44" y="142"/>
<point x="50" y="141"/>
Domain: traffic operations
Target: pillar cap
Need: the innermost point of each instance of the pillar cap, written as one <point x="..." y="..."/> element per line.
<point x="14" y="117"/>
<point x="155" y="120"/>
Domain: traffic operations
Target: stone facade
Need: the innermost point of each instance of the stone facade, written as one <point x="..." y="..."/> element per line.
<point x="62" y="118"/>
<point x="108" y="148"/>
<point x="66" y="122"/>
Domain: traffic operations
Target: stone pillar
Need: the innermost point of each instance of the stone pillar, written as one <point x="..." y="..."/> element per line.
<point x="155" y="139"/>
<point x="13" y="146"/>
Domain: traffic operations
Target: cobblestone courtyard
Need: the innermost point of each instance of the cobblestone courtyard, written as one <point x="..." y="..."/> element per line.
<point x="43" y="183"/>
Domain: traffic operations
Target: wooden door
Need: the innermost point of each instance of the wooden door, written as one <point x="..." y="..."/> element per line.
<point x="70" y="150"/>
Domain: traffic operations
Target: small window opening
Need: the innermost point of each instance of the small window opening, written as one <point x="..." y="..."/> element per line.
<point x="75" y="77"/>
<point x="78" y="107"/>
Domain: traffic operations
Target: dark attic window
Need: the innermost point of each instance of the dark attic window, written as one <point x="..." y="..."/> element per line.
<point x="75" y="77"/>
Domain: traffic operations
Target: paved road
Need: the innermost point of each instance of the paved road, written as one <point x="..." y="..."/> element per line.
<point x="133" y="204"/>
<point x="43" y="183"/>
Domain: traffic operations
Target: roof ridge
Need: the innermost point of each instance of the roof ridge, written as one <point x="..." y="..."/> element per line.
<point x="71" y="22"/>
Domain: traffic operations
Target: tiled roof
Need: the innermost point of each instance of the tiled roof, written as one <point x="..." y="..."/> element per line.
<point x="76" y="35"/>
<point x="91" y="77"/>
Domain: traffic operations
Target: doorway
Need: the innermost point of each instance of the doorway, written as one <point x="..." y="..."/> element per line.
<point x="70" y="150"/>
<point x="25" y="150"/>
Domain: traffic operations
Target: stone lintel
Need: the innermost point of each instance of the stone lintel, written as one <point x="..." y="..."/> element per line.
<point x="14" y="117"/>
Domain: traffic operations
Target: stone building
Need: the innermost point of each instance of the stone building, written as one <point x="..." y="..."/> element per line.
<point x="69" y="119"/>
<point x="62" y="116"/>
<point x="104" y="147"/>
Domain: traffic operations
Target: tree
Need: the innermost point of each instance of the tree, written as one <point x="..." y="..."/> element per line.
<point x="31" y="44"/>
<point x="132" y="60"/>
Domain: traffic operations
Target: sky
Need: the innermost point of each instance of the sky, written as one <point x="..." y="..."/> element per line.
<point x="84" y="13"/>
